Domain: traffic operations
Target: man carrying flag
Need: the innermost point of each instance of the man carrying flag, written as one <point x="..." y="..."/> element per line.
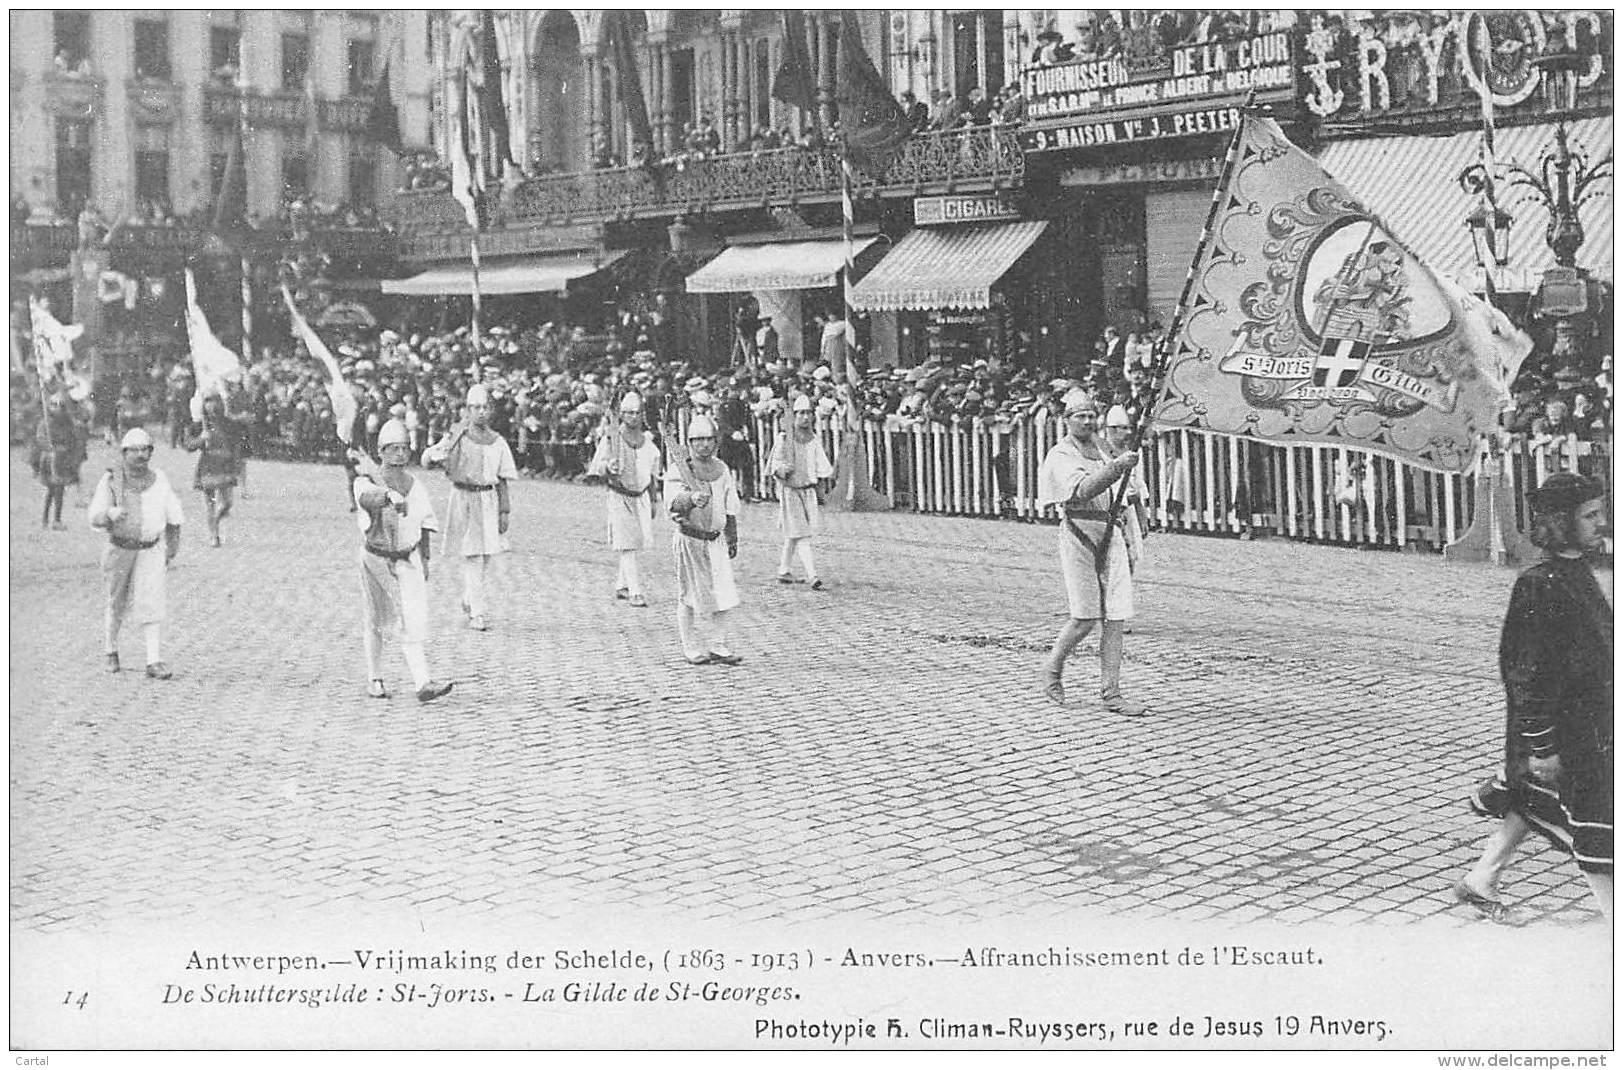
<point x="215" y="434"/>
<point x="397" y="523"/>
<point x="1077" y="476"/>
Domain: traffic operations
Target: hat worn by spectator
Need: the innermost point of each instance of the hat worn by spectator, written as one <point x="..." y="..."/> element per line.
<point x="1565" y="491"/>
<point x="703" y="398"/>
<point x="822" y="372"/>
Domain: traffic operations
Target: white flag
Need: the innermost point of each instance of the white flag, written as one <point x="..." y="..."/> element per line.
<point x="53" y="341"/>
<point x="212" y="362"/>
<point x="343" y="401"/>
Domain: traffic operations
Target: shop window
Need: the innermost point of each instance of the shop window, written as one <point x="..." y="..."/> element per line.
<point x="152" y="49"/>
<point x="225" y="53"/>
<point x="72" y="39"/>
<point x="72" y="164"/>
<point x="361" y="75"/>
<point x="295" y="61"/>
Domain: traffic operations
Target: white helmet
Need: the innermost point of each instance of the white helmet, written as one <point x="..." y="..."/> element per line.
<point x="392" y="433"/>
<point x="136" y="438"/>
<point x="701" y="426"/>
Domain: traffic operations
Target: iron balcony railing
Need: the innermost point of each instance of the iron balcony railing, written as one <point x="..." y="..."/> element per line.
<point x="967" y="159"/>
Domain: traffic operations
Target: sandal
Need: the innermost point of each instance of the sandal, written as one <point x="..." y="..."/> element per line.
<point x="1052" y="685"/>
<point x="1493" y="909"/>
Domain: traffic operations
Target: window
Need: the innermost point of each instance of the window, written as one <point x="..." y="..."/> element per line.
<point x="977" y="51"/>
<point x="295" y="61"/>
<point x="219" y="157"/>
<point x="363" y="180"/>
<point x="225" y="52"/>
<point x="295" y="172"/>
<point x="152" y="49"/>
<point x="152" y="182"/>
<point x="72" y="39"/>
<point x="72" y="164"/>
<point x="361" y="75"/>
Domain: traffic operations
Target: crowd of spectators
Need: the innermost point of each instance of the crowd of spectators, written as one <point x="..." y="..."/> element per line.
<point x="1146" y="36"/>
<point x="553" y="385"/>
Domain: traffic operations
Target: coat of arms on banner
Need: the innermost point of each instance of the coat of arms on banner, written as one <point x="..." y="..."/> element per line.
<point x="1308" y="321"/>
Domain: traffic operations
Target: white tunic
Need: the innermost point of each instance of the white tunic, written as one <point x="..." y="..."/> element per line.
<point x="472" y="526"/>
<point x="396" y="592"/>
<point x="704" y="572"/>
<point x="135" y="578"/>
<point x="630" y="517"/>
<point x="799" y="514"/>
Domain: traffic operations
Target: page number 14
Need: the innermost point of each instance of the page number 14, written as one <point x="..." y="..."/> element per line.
<point x="76" y="1000"/>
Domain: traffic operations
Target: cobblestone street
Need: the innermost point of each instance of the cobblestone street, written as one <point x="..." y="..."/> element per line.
<point x="1318" y="716"/>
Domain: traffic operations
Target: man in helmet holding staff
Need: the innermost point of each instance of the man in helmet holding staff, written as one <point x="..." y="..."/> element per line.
<point x="137" y="507"/>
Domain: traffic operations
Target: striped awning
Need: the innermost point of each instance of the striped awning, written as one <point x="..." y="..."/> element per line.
<point x="945" y="267"/>
<point x="1411" y="183"/>
<point x="790" y="265"/>
<point x="531" y="275"/>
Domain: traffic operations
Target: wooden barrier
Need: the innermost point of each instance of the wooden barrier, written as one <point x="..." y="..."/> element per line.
<point x="1198" y="481"/>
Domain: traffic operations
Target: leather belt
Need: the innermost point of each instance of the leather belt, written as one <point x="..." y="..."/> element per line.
<point x="698" y="533"/>
<point x="390" y="555"/>
<point x="132" y="544"/>
<point x="618" y="489"/>
<point x="1101" y="515"/>
<point x="473" y="486"/>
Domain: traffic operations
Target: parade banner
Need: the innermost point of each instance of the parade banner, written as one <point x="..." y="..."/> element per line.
<point x="1308" y="321"/>
<point x="338" y="391"/>
<point x="53" y="341"/>
<point x="211" y="360"/>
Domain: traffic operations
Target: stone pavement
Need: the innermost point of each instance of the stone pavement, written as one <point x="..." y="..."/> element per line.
<point x="1319" y="715"/>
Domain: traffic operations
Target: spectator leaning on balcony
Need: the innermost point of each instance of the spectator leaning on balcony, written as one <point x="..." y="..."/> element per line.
<point x="947" y="112"/>
<point x="917" y="112"/>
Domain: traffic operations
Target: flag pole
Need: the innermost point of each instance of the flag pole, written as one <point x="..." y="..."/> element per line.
<point x="473" y="253"/>
<point x="847" y="232"/>
<point x="1163" y="360"/>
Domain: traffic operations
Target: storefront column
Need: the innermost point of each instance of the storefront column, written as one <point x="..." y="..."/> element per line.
<point x="783" y="306"/>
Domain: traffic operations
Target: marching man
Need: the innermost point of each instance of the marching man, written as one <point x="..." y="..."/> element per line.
<point x="1080" y="477"/>
<point x="628" y="462"/>
<point x="137" y="507"/>
<point x="397" y="519"/>
<point x="479" y="463"/>
<point x="704" y="503"/>
<point x="802" y="469"/>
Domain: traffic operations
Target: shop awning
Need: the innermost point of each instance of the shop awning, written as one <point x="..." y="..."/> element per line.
<point x="945" y="267"/>
<point x="1410" y="183"/>
<point x="793" y="265"/>
<point x="532" y="275"/>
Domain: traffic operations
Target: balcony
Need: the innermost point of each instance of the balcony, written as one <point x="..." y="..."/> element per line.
<point x="348" y="114"/>
<point x="222" y="105"/>
<point x="979" y="159"/>
<point x="42" y="246"/>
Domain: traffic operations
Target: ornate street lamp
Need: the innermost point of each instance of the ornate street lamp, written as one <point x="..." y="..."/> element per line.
<point x="1564" y="182"/>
